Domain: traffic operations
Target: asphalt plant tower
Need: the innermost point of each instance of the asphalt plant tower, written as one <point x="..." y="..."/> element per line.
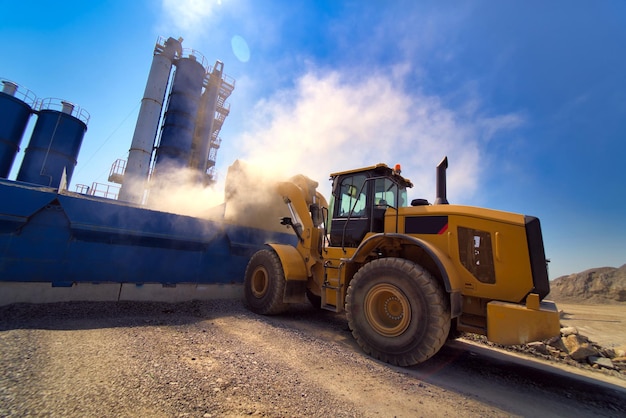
<point x="194" y="96"/>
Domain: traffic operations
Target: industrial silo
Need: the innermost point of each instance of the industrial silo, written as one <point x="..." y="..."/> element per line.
<point x="174" y="150"/>
<point x="54" y="143"/>
<point x="140" y="153"/>
<point x="15" y="110"/>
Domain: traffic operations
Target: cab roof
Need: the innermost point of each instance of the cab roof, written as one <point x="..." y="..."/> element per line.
<point x="380" y="169"/>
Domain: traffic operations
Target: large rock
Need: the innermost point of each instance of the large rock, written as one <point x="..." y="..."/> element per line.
<point x="579" y="347"/>
<point x="599" y="285"/>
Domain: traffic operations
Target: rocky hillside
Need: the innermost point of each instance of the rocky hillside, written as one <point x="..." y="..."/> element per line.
<point x="598" y="285"/>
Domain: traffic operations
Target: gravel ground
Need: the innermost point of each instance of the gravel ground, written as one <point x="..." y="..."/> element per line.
<point x="200" y="359"/>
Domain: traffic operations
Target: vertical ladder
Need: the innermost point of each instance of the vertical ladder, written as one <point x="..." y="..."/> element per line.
<point x="332" y="286"/>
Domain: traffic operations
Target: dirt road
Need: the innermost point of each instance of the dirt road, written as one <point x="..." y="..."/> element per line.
<point x="214" y="358"/>
<point x="603" y="324"/>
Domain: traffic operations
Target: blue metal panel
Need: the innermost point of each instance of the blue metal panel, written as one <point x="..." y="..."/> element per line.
<point x="117" y="222"/>
<point x="14" y="114"/>
<point x="53" y="146"/>
<point x="38" y="252"/>
<point x="65" y="239"/>
<point x="19" y="202"/>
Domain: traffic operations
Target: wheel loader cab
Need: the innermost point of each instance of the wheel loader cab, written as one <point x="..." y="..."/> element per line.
<point x="359" y="201"/>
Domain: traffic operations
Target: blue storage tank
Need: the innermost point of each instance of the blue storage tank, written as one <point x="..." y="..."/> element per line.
<point x="174" y="149"/>
<point x="15" y="110"/>
<point x="54" y="144"/>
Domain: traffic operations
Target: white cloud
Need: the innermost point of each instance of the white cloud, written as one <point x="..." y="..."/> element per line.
<point x="330" y="122"/>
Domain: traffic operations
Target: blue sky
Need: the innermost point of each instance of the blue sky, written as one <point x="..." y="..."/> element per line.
<point x="526" y="98"/>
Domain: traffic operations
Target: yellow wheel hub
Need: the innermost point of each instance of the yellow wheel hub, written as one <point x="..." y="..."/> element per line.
<point x="387" y="310"/>
<point x="260" y="282"/>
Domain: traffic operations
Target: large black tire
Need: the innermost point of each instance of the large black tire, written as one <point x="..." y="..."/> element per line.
<point x="397" y="311"/>
<point x="264" y="284"/>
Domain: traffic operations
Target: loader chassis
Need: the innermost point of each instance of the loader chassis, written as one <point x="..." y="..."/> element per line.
<point x="406" y="276"/>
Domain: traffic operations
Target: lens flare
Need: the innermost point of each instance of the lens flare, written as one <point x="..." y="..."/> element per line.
<point x="240" y="48"/>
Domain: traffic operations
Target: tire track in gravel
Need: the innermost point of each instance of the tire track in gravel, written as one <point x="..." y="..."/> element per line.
<point x="345" y="376"/>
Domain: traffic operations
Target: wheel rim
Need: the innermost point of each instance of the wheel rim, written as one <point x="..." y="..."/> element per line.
<point x="387" y="310"/>
<point x="259" y="282"/>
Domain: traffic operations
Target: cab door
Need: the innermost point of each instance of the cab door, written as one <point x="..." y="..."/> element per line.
<point x="350" y="217"/>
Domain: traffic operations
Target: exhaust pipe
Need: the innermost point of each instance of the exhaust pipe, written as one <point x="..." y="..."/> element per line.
<point x="441" y="182"/>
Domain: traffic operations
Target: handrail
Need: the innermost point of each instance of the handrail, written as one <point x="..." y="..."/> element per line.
<point x="22" y="93"/>
<point x="53" y="103"/>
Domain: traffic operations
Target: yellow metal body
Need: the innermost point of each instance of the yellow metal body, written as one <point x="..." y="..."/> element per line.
<point x="501" y="304"/>
<point x="510" y="323"/>
<point x="511" y="262"/>
<point x="293" y="264"/>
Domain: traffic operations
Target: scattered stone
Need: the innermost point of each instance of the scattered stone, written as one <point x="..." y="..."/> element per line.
<point x="606" y="285"/>
<point x="553" y="340"/>
<point x="607" y="352"/>
<point x="557" y="343"/>
<point x="553" y="351"/>
<point x="539" y="347"/>
<point x="569" y="331"/>
<point x="601" y="362"/>
<point x="620" y="363"/>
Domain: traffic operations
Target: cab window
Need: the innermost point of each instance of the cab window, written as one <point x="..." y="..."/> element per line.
<point x="385" y="193"/>
<point x="352" y="197"/>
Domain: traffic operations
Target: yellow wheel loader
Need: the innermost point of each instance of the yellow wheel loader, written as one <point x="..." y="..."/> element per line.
<point x="407" y="274"/>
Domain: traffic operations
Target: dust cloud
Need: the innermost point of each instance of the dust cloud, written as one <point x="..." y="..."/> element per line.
<point x="247" y="197"/>
<point x="329" y="122"/>
<point x="333" y="121"/>
<point x="252" y="198"/>
<point x="179" y="191"/>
